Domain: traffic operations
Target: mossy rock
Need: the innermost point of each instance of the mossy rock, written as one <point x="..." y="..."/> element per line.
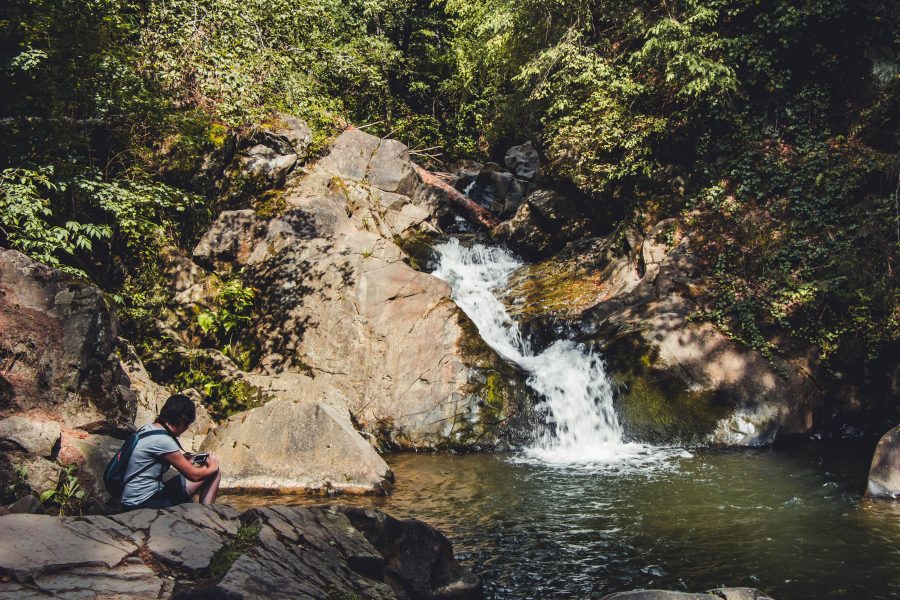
<point x="501" y="413"/>
<point x="419" y="248"/>
<point x="653" y="404"/>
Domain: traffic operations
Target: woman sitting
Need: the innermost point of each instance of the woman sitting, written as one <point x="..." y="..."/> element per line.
<point x="154" y="453"/>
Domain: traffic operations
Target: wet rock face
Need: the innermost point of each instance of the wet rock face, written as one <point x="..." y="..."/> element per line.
<point x="284" y="552"/>
<point x="57" y="348"/>
<point x="678" y="380"/>
<point x="884" y="474"/>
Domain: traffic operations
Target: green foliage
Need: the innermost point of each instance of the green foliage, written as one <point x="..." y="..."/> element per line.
<point x="68" y="493"/>
<point x="18" y="485"/>
<point x="26" y="221"/>
<point x="222" y="395"/>
<point x="232" y="312"/>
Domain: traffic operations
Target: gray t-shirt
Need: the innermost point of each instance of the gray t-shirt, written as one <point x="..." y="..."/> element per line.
<point x="148" y="450"/>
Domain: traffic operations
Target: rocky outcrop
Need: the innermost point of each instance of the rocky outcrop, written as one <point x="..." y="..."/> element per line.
<point x="340" y="303"/>
<point x="241" y="167"/>
<point x="497" y="190"/>
<point x="57" y="352"/>
<point x="679" y="380"/>
<point x="193" y="551"/>
<point x="884" y="473"/>
<point x="523" y="161"/>
<point x="63" y="385"/>
<point x="543" y="224"/>
<point x="717" y="594"/>
<point x="297" y="446"/>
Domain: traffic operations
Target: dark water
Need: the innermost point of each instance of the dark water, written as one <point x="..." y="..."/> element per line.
<point x="790" y="522"/>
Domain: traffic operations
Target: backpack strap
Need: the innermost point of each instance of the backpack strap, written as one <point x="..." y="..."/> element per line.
<point x="169" y="431"/>
<point x="148" y="465"/>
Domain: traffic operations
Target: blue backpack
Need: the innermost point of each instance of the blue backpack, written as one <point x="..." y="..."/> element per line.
<point x="114" y="475"/>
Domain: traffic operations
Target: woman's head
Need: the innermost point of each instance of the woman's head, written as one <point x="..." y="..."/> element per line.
<point x="178" y="413"/>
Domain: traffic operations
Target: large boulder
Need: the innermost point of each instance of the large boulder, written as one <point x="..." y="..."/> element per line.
<point x="884" y="473"/>
<point x="339" y="302"/>
<point x="523" y="161"/>
<point x="430" y="571"/>
<point x="270" y="154"/>
<point x="679" y="380"/>
<point x="58" y="348"/>
<point x="543" y="224"/>
<point x="212" y="552"/>
<point x="297" y="446"/>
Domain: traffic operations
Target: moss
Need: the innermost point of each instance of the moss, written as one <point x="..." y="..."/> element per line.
<point x="418" y="247"/>
<point x="500" y="402"/>
<point x="562" y="286"/>
<point x="247" y="537"/>
<point x="271" y="203"/>
<point x="217" y="135"/>
<point x="655" y="406"/>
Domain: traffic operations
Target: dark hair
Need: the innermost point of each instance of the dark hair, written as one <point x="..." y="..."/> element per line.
<point x="178" y="410"/>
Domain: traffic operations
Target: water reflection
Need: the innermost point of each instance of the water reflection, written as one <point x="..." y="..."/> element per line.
<point x="792" y="523"/>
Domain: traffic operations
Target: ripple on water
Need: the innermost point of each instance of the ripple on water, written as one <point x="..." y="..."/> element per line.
<point x="753" y="518"/>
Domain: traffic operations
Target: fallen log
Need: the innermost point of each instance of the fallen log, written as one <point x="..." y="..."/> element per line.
<point x="471" y="210"/>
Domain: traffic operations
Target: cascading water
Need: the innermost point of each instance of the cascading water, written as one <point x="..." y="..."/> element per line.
<point x="569" y="378"/>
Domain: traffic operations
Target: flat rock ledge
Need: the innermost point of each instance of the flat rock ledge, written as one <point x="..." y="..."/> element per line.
<point x="213" y="552"/>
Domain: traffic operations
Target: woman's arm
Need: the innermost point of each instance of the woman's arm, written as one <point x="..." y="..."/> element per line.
<point x="191" y="471"/>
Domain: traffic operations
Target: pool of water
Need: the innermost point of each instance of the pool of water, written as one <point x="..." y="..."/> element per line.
<point x="791" y="522"/>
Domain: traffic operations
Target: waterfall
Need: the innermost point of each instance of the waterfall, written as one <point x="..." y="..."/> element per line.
<point x="570" y="378"/>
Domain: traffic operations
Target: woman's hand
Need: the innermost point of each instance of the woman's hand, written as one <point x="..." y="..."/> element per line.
<point x="191" y="471"/>
<point x="213" y="461"/>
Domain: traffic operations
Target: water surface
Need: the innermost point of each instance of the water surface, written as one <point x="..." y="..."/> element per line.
<point x="790" y="522"/>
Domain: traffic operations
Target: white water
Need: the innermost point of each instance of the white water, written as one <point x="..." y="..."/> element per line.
<point x="569" y="378"/>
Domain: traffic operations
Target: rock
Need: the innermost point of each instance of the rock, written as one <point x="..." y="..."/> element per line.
<point x="241" y="237"/>
<point x="296" y="553"/>
<point x="180" y="541"/>
<point x="57" y="349"/>
<point x="544" y="224"/>
<point x="739" y="593"/>
<point x="35" y="436"/>
<point x="499" y="191"/>
<point x="35" y="475"/>
<point x="339" y="303"/>
<point x="293" y="130"/>
<point x="34" y="544"/>
<point x="304" y="553"/>
<point x="299" y="446"/>
<point x="25" y="505"/>
<point x="384" y="164"/>
<point x="90" y="453"/>
<point x="884" y="474"/>
<point x="430" y="571"/>
<point x="679" y="380"/>
<point x="271" y="152"/>
<point x="717" y="594"/>
<point x="524" y="161"/>
<point x="266" y="166"/>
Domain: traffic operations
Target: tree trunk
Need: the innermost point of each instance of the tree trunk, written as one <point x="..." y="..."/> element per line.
<point x="472" y="211"/>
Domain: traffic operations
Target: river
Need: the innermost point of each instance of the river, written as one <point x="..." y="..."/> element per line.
<point x="583" y="511"/>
